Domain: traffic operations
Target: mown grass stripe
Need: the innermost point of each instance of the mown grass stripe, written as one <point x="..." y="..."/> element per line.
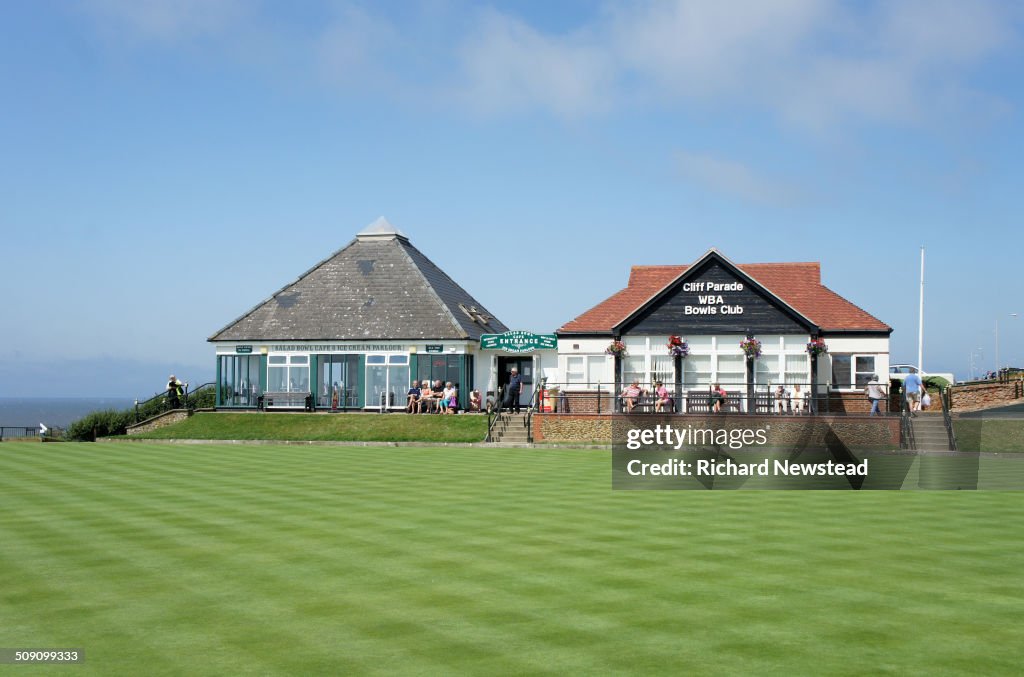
<point x="286" y="559"/>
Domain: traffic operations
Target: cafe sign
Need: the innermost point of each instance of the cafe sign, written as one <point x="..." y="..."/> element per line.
<point x="518" y="342"/>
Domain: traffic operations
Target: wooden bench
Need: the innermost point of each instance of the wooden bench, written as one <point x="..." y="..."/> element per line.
<point x="292" y="400"/>
<point x="699" y="402"/>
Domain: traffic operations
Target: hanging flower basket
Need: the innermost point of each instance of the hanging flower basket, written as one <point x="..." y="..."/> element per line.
<point x="751" y="347"/>
<point x="816" y="347"/>
<point x="677" y="346"/>
<point x="616" y="348"/>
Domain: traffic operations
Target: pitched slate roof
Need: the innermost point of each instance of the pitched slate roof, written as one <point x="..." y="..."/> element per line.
<point x="379" y="286"/>
<point x="796" y="284"/>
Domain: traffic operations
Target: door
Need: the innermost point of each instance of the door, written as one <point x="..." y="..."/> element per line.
<point x="525" y="367"/>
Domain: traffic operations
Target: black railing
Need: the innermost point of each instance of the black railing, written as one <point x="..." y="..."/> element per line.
<point x="700" y="398"/>
<point x="907" y="440"/>
<point x="534" y="404"/>
<point x="17" y="432"/>
<point x="945" y="396"/>
<point x="494" y="414"/>
<point x="146" y="408"/>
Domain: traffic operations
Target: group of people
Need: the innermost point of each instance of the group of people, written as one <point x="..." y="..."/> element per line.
<point x="632" y="393"/>
<point x="795" y="399"/>
<point x="439" y="398"/>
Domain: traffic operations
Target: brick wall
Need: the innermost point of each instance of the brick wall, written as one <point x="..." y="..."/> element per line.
<point x="853" y="431"/>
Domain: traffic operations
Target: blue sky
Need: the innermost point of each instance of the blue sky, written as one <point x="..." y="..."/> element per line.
<point x="166" y="166"/>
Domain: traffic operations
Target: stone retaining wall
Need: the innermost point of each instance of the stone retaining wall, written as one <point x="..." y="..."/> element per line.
<point x="975" y="396"/>
<point x="853" y="431"/>
<point x="161" y="421"/>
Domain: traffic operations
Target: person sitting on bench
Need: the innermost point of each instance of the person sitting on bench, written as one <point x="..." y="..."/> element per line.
<point x="630" y="394"/>
<point x="662" y="398"/>
<point x="718" y="396"/>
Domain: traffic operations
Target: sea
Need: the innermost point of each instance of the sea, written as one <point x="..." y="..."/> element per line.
<point x="55" y="412"/>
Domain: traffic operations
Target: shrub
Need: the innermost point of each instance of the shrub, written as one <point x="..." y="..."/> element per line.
<point x="101" y="423"/>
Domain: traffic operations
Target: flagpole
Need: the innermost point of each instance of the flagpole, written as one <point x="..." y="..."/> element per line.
<point x="920" y="322"/>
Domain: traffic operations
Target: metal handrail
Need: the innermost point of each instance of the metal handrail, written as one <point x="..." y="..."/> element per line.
<point x="693" y="397"/>
<point x="945" y="395"/>
<point x="184" y="397"/>
<point x="907" y="440"/>
<point x="534" y="403"/>
<point x="496" y="413"/>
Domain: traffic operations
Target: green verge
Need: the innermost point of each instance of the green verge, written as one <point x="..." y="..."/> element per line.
<point x="989" y="435"/>
<point x="325" y="427"/>
<point x="284" y="559"/>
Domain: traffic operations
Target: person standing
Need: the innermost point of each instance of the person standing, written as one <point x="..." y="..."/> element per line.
<point x="174" y="392"/>
<point x="912" y="387"/>
<point x="874" y="392"/>
<point x="513" y="389"/>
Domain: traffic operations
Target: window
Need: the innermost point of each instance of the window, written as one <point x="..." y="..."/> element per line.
<point x="633" y="369"/>
<point x="441" y="368"/>
<point x="387" y="380"/>
<point x="339" y="381"/>
<point x="798" y="368"/>
<point x="696" y="371"/>
<point x="732" y="370"/>
<point x="575" y="369"/>
<point x="288" y="374"/>
<point x="662" y="369"/>
<point x="852" y="371"/>
<point x="239" y="381"/>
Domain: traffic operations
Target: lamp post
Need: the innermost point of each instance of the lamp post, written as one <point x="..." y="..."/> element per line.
<point x="997" y="342"/>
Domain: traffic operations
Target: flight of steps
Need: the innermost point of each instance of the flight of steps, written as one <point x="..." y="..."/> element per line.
<point x="930" y="432"/>
<point x="510" y="429"/>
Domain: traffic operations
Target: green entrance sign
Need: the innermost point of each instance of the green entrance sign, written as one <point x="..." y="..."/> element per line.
<point x="518" y="342"/>
<point x="243" y="350"/>
<point x="435" y="348"/>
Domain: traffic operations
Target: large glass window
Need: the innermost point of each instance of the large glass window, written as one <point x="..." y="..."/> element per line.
<point x="732" y="370"/>
<point x="339" y="381"/>
<point x="387" y="380"/>
<point x="662" y="369"/>
<point x="441" y="368"/>
<point x="239" y="383"/>
<point x="633" y="369"/>
<point x="288" y="374"/>
<point x="864" y="366"/>
<point x="696" y="371"/>
<point x="798" y="369"/>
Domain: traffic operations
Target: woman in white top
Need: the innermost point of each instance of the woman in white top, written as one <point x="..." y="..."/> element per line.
<point x="798" y="398"/>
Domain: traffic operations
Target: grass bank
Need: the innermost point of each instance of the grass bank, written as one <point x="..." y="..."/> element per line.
<point x="989" y="435"/>
<point x="325" y="427"/>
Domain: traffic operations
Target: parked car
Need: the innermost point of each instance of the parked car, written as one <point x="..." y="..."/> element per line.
<point x="900" y="371"/>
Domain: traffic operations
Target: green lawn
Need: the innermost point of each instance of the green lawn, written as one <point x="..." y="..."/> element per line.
<point x="228" y="560"/>
<point x="323" y="427"/>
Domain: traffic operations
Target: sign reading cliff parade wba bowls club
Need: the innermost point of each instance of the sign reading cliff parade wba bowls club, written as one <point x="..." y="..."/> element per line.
<point x="518" y="342"/>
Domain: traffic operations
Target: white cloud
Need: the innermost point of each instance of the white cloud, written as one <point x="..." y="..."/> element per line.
<point x="164" y="21"/>
<point x="510" y="65"/>
<point x="811" y="63"/>
<point x="734" y="179"/>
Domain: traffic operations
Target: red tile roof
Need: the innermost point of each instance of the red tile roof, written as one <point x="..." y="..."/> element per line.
<point x="796" y="284"/>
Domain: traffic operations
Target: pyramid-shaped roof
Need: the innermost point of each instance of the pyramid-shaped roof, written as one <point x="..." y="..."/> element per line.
<point x="379" y="286"/>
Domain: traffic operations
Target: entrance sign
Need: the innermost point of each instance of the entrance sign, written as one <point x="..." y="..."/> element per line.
<point x="243" y="350"/>
<point x="435" y="348"/>
<point x="518" y="342"/>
